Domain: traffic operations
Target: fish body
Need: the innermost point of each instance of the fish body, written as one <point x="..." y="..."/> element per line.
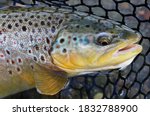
<point x="42" y="47"/>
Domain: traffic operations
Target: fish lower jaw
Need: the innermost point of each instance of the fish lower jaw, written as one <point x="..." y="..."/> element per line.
<point x="120" y="66"/>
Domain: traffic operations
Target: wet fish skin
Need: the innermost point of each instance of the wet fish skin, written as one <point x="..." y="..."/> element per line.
<point x="33" y="53"/>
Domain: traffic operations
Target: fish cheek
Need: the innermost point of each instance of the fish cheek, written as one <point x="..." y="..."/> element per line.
<point x="62" y="61"/>
<point x="72" y="61"/>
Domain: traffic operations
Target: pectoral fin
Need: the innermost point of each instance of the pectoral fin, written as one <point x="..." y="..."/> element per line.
<point x="49" y="82"/>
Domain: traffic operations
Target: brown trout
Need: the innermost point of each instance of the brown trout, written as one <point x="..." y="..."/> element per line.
<point x="42" y="47"/>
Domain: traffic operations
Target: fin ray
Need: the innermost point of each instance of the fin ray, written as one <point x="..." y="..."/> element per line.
<point x="49" y="82"/>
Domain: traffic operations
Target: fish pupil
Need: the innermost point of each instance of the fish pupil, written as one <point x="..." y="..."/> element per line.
<point x="62" y="40"/>
<point x="104" y="43"/>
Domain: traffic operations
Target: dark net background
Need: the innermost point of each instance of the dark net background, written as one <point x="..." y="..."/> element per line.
<point x="132" y="82"/>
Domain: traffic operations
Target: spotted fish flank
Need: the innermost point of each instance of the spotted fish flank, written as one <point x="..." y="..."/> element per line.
<point x="42" y="47"/>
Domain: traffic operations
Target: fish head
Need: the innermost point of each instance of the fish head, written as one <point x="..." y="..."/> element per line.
<point x="88" y="46"/>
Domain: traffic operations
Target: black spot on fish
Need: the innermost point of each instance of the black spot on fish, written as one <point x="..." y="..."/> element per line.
<point x="36" y="24"/>
<point x="24" y="28"/>
<point x="36" y="47"/>
<point x="13" y="20"/>
<point x="30" y="23"/>
<point x="26" y="19"/>
<point x="38" y="16"/>
<point x="53" y="29"/>
<point x="18" y="69"/>
<point x="87" y="26"/>
<point x="16" y="16"/>
<point x="49" y="18"/>
<point x="35" y="58"/>
<point x="32" y="16"/>
<point x="42" y="58"/>
<point x="77" y="26"/>
<point x="42" y="23"/>
<point x="45" y="48"/>
<point x="64" y="50"/>
<point x="47" y="40"/>
<point x="10" y="72"/>
<point x="20" y="20"/>
<point x="29" y="51"/>
<point x="21" y="45"/>
<point x="57" y="18"/>
<point x="48" y="23"/>
<point x="60" y="21"/>
<point x="8" y="52"/>
<point x="4" y="16"/>
<point x="9" y="26"/>
<point x="16" y="24"/>
<point x="3" y="24"/>
<point x="23" y="14"/>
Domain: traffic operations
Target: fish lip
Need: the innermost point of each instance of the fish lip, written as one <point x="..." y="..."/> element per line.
<point x="129" y="48"/>
<point x="129" y="45"/>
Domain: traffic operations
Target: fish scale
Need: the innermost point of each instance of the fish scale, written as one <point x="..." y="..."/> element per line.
<point x="23" y="30"/>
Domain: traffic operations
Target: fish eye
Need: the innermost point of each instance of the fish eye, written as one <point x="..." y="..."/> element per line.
<point x="103" y="40"/>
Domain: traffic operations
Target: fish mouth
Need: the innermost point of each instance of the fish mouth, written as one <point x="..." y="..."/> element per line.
<point x="129" y="48"/>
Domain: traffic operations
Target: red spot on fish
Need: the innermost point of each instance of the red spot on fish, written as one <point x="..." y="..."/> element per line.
<point x="69" y="42"/>
<point x="12" y="61"/>
<point x="7" y="61"/>
<point x="4" y="30"/>
<point x="19" y="60"/>
<point x="29" y="51"/>
<point x="57" y="46"/>
<point x="1" y="55"/>
<point x="69" y="37"/>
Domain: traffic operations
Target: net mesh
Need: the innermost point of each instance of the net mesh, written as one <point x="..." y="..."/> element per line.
<point x="132" y="82"/>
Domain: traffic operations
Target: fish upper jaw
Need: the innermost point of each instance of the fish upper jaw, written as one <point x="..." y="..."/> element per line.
<point x="129" y="45"/>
